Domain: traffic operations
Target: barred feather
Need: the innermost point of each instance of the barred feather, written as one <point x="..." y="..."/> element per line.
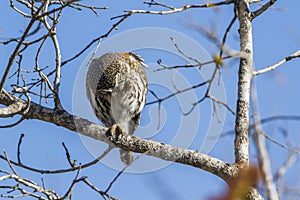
<point x="116" y="86"/>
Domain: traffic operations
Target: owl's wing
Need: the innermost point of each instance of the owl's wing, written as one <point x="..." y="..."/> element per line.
<point x="102" y="106"/>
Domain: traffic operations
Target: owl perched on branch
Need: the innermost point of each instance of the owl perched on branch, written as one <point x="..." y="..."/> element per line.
<point x="116" y="86"/>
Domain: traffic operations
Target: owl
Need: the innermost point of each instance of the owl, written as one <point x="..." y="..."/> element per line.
<point x="116" y="86"/>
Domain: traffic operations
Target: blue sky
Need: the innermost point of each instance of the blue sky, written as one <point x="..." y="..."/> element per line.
<point x="276" y="34"/>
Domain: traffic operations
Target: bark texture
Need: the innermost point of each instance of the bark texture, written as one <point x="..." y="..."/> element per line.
<point x="241" y="143"/>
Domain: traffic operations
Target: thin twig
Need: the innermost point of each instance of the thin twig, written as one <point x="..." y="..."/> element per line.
<point x="13" y="124"/>
<point x="277" y="142"/>
<point x="50" y="194"/>
<point x="56" y="45"/>
<point x="114" y="26"/>
<point x="120" y="173"/>
<point x="19" y="148"/>
<point x="9" y="163"/>
<point x="210" y="81"/>
<point x="47" y="13"/>
<point x="182" y="52"/>
<point x="263" y="154"/>
<point x="181" y="9"/>
<point x="155" y="3"/>
<point x="15" y="52"/>
<point x="280" y="117"/>
<point x="222" y="103"/>
<point x="272" y="67"/>
<point x="72" y="164"/>
<point x="93" y="187"/>
<point x="58" y="171"/>
<point x="92" y="8"/>
<point x="226" y="34"/>
<point x="12" y="5"/>
<point x="175" y="93"/>
<point x="75" y="180"/>
<point x="291" y="158"/>
<point x="260" y="11"/>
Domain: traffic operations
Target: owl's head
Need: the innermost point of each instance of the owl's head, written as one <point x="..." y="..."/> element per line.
<point x="132" y="57"/>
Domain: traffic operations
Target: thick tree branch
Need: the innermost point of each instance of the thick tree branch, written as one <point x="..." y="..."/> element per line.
<point x="241" y="143"/>
<point x="119" y="139"/>
<point x="15" y="107"/>
<point x="11" y="110"/>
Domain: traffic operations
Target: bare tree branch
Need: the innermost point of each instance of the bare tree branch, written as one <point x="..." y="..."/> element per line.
<point x="241" y="143"/>
<point x="14" y="107"/>
<point x="159" y="100"/>
<point x="272" y="67"/>
<point x="47" y="13"/>
<point x="52" y="31"/>
<point x="73" y="165"/>
<point x="103" y="194"/>
<point x="263" y="154"/>
<point x="290" y="160"/>
<point x="214" y="99"/>
<point x="15" y="52"/>
<point x="50" y="194"/>
<point x="293" y="150"/>
<point x="173" y="10"/>
<point x="260" y="11"/>
<point x="280" y="117"/>
<point x="116" y="137"/>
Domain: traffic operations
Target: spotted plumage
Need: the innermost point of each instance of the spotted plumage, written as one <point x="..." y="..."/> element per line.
<point x="116" y="86"/>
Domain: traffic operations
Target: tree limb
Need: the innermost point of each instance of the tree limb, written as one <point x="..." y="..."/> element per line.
<point x="115" y="136"/>
<point x="260" y="11"/>
<point x="263" y="154"/>
<point x="241" y="143"/>
<point x="15" y="52"/>
<point x="272" y="67"/>
<point x="173" y="10"/>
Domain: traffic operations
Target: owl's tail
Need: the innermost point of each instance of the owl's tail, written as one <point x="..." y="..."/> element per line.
<point x="126" y="157"/>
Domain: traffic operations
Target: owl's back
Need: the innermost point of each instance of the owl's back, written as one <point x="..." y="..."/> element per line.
<point x="116" y="86"/>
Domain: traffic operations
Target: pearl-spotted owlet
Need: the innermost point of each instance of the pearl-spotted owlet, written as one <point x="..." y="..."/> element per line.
<point x="116" y="86"/>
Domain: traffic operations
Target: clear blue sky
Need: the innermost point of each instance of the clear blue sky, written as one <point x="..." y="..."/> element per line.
<point x="276" y="34"/>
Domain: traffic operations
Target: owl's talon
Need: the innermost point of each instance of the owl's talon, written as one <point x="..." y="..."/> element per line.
<point x="115" y="131"/>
